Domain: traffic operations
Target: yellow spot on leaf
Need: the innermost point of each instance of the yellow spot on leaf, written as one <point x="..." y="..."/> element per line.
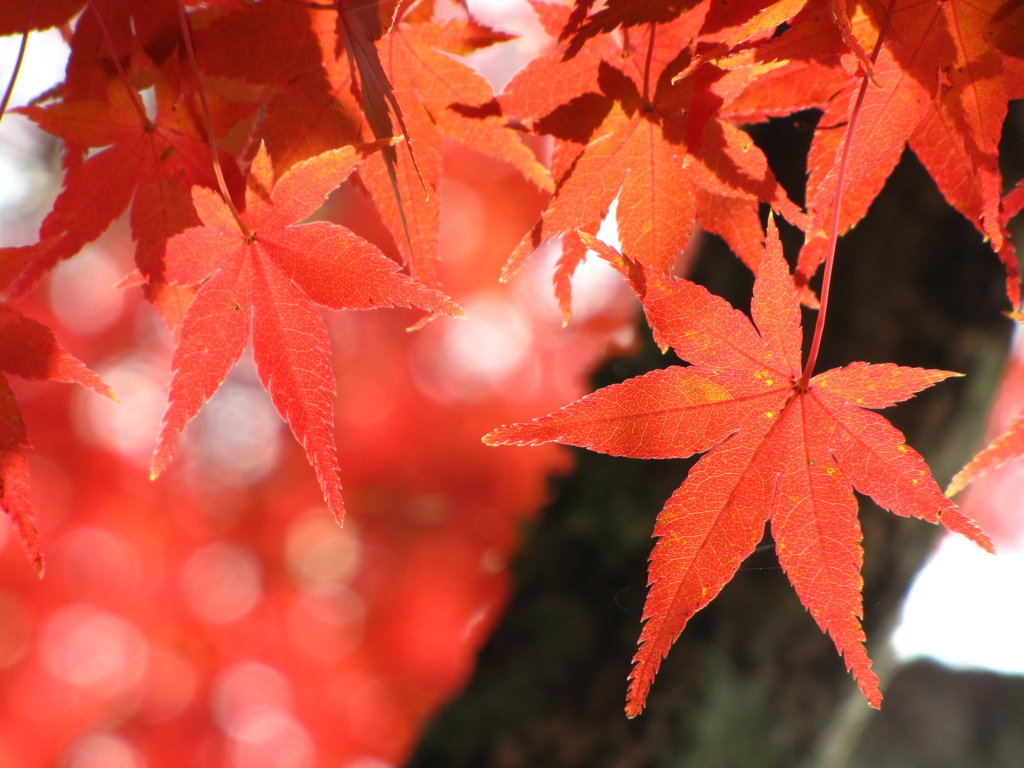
<point x="713" y="393"/>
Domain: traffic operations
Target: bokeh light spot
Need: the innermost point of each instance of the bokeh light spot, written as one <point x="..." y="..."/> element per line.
<point x="317" y="549"/>
<point x="82" y="292"/>
<point x="474" y="358"/>
<point x="221" y="582"/>
<point x="245" y="689"/>
<point x="238" y="434"/>
<point x="90" y="648"/>
<point x="272" y="739"/>
<point x="102" y="750"/>
<point x="128" y="427"/>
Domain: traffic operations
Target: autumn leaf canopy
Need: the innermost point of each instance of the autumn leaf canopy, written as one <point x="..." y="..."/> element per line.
<point x="221" y="128"/>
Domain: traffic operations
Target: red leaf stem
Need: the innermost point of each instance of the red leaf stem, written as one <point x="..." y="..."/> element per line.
<point x="210" y="135"/>
<point x="833" y="230"/>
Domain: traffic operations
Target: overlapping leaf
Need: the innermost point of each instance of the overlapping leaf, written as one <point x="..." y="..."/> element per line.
<point x="148" y="164"/>
<point x="1006" y="447"/>
<point x="437" y="96"/>
<point x="265" y="287"/>
<point x="626" y="126"/>
<point x="939" y="84"/>
<point x="778" y="451"/>
<point x="20" y="15"/>
<point x="29" y="349"/>
<point x="441" y="98"/>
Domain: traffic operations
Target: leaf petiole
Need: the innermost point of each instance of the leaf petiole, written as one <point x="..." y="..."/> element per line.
<point x="132" y="93"/>
<point x="833" y="230"/>
<point x="211" y="138"/>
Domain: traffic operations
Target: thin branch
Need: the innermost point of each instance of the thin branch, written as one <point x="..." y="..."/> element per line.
<point x="132" y="93"/>
<point x="647" y="67"/>
<point x="21" y="58"/>
<point x="314" y="6"/>
<point x="211" y="137"/>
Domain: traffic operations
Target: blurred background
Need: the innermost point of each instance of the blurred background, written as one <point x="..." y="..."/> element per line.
<point x="219" y="617"/>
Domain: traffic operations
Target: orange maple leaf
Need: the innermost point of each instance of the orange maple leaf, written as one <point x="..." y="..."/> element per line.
<point x="941" y="85"/>
<point x="777" y="451"/>
<point x="627" y="126"/>
<point x="265" y="286"/>
<point x="416" y="75"/>
<point x="441" y="98"/>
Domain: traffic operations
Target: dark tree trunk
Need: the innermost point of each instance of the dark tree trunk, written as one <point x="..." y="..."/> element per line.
<point x="752" y="681"/>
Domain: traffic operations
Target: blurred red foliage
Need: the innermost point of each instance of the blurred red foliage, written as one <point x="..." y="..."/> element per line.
<point x="219" y="617"/>
<point x="994" y="499"/>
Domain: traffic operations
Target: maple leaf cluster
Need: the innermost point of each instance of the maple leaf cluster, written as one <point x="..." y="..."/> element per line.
<point x="217" y="252"/>
<point x="219" y="616"/>
<point x="660" y="135"/>
<point x="222" y="128"/>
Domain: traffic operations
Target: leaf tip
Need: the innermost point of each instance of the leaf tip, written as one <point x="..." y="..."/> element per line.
<point x="327" y="472"/>
<point x="956" y="522"/>
<point x="636" y="696"/>
<point x="506" y="434"/>
<point x="422" y="323"/>
<point x="957" y="484"/>
<point x="101" y="387"/>
<point x="91" y="381"/>
<point x="368" y="148"/>
<point x="133" y="279"/>
<point x="337" y="508"/>
<point x="161" y="458"/>
<point x="514" y="263"/>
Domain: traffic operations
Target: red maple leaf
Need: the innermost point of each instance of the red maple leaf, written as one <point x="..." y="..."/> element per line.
<point x="940" y="84"/>
<point x="441" y="97"/>
<point x="1009" y="445"/>
<point x="29" y="349"/>
<point x="20" y="15"/>
<point x="1006" y="447"/>
<point x="417" y="77"/>
<point x="632" y="120"/>
<point x="264" y="284"/>
<point x="777" y="451"/>
<point x="148" y="163"/>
